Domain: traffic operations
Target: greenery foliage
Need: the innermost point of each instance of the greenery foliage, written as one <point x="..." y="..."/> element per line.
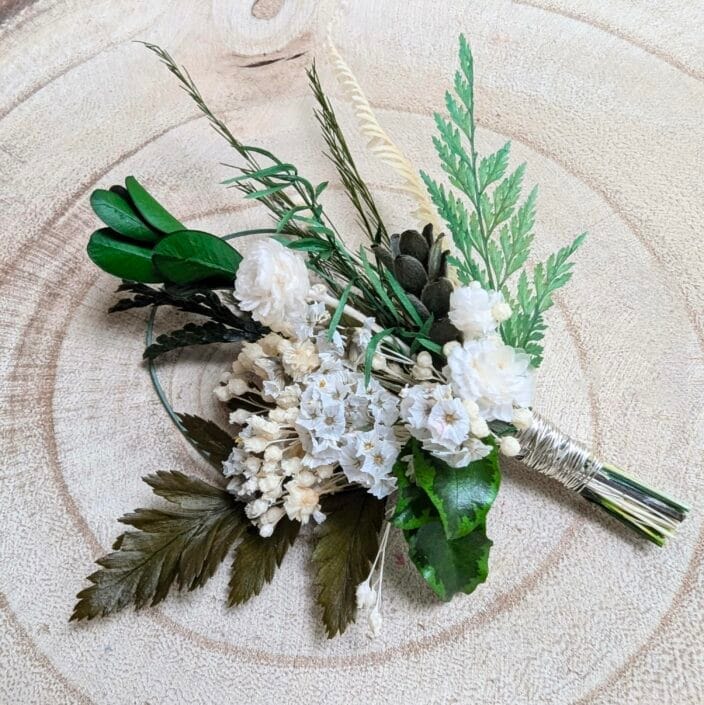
<point x="492" y="233"/>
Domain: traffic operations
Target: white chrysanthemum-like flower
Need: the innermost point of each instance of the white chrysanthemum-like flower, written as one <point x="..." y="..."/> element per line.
<point x="474" y="310"/>
<point x="272" y="282"/>
<point x="495" y="376"/>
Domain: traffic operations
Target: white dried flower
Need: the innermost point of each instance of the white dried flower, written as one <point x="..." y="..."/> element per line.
<point x="264" y="427"/>
<point x="272" y="282"/>
<point x="471" y="310"/>
<point x="254" y="444"/>
<point x="301" y="502"/>
<point x="249" y="355"/>
<point x="240" y="417"/>
<point x="222" y="393"/>
<point x="449" y="347"/>
<point x="501" y="312"/>
<point x="479" y="427"/>
<point x="237" y="386"/>
<point x="235" y="462"/>
<point x="366" y="596"/>
<point x="273" y="454"/>
<point x="270" y="344"/>
<point x="471" y="407"/>
<point x="448" y="423"/>
<point x="375" y="621"/>
<point x="494" y="375"/>
<point x="299" y="359"/>
<point x="509" y="446"/>
<point x="421" y="373"/>
<point x="424" y="359"/>
<point x="256" y="508"/>
<point x="522" y="419"/>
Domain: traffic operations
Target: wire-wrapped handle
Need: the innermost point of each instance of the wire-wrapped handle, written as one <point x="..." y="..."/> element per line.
<point x="553" y="453"/>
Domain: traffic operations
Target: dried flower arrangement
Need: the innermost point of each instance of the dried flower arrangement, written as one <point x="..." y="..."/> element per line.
<point x="369" y="389"/>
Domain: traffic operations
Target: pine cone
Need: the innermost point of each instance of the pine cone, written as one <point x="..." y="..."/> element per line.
<point x="420" y="265"/>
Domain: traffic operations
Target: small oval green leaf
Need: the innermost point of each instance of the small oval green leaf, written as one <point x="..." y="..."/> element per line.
<point x="121" y="258"/>
<point x="189" y="256"/>
<point x="150" y="209"/>
<point x="117" y="214"/>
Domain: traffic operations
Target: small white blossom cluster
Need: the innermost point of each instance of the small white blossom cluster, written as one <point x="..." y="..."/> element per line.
<point x="448" y="427"/>
<point x="486" y="380"/>
<point x="314" y="416"/>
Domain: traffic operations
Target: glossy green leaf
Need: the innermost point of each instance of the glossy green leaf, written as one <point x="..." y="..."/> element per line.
<point x="122" y="258"/>
<point x="117" y="214"/>
<point x="462" y="496"/>
<point x="150" y="209"/>
<point x="413" y="506"/>
<point x="190" y="256"/>
<point x="449" y="566"/>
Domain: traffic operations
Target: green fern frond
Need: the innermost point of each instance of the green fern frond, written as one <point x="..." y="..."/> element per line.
<point x="491" y="231"/>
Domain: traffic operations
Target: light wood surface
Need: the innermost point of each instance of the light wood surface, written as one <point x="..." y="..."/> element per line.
<point x="603" y="100"/>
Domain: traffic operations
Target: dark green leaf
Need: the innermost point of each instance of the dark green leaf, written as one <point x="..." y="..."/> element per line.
<point x="117" y="214"/>
<point x="413" y="507"/>
<point x="194" y="334"/>
<point x="449" y="567"/>
<point x="181" y="546"/>
<point x="189" y="256"/>
<point x="150" y="209"/>
<point x="121" y="258"/>
<point x="346" y="544"/>
<point x="462" y="496"/>
<point x="211" y="440"/>
<point x="257" y="559"/>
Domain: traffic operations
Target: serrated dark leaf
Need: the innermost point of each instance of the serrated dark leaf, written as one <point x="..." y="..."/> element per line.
<point x="197" y="300"/>
<point x="179" y="547"/>
<point x="346" y="544"/>
<point x="195" y="334"/>
<point x="211" y="440"/>
<point x="413" y="506"/>
<point x="257" y="559"/>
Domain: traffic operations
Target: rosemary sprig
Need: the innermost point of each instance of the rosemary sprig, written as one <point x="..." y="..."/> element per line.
<point x="295" y="202"/>
<point x="340" y="155"/>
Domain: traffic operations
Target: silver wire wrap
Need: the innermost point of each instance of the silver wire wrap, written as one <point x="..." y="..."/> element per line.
<point x="551" y="452"/>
